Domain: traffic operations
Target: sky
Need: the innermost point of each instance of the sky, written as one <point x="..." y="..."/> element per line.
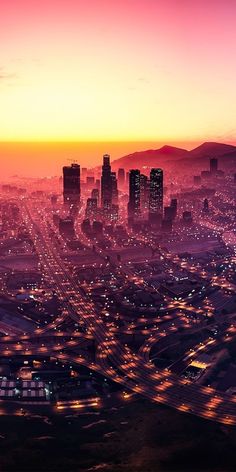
<point x="159" y="71"/>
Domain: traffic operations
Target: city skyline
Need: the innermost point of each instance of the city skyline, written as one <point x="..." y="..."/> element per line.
<point x="44" y="159"/>
<point x="117" y="235"/>
<point x="117" y="296"/>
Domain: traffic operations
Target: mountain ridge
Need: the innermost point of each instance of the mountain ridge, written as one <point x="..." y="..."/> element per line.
<point x="170" y="154"/>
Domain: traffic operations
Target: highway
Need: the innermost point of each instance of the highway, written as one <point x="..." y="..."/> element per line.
<point x="113" y="359"/>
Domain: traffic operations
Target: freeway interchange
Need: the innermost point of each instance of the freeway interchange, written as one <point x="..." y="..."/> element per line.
<point x="113" y="358"/>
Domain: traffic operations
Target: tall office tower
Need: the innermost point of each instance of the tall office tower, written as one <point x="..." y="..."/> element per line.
<point x="106" y="183"/>
<point x="114" y="195"/>
<point x="156" y="196"/>
<point x="134" y="194"/>
<point x="174" y="205"/>
<point x="121" y="177"/>
<point x="213" y="165"/>
<point x="143" y="192"/>
<point x="71" y="184"/>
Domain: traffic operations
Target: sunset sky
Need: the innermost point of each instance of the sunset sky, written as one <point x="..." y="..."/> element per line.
<point x="130" y="70"/>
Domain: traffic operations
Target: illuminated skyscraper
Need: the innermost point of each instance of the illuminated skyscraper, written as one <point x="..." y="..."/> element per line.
<point x="106" y="183"/>
<point x="71" y="184"/>
<point x="156" y="196"/>
<point x="144" y="192"/>
<point x="134" y="194"/>
<point x="114" y="192"/>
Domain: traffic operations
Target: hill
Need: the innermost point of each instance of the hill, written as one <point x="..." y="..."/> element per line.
<point x="150" y="158"/>
<point x="170" y="155"/>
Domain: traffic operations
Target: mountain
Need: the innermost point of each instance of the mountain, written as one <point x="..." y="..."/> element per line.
<point x="170" y="155"/>
<point x="151" y="157"/>
<point x="211" y="149"/>
<point x="199" y="156"/>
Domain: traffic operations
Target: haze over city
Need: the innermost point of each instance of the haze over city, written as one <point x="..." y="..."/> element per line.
<point x="117" y="236"/>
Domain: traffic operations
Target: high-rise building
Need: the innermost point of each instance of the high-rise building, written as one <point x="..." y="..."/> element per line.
<point x="121" y="177"/>
<point x="169" y="213"/>
<point x="144" y="192"/>
<point x="213" y="165"/>
<point x="134" y="194"/>
<point x="97" y="184"/>
<point x="174" y="206"/>
<point x="156" y="196"/>
<point x="71" y="184"/>
<point x="114" y="195"/>
<point x="106" y="183"/>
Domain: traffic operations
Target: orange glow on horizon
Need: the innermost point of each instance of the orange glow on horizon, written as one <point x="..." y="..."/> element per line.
<point x="127" y="72"/>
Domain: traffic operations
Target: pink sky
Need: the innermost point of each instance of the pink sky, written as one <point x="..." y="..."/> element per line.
<point x="127" y="70"/>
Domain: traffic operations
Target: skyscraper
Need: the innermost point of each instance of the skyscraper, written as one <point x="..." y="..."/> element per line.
<point x="114" y="191"/>
<point x="121" y="177"/>
<point x="71" y="184"/>
<point x="156" y="196"/>
<point x="144" y="192"/>
<point x="106" y="183"/>
<point x="174" y="206"/>
<point x="134" y="194"/>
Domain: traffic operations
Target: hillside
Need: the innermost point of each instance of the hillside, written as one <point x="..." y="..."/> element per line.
<point x="170" y="155"/>
<point x="151" y="157"/>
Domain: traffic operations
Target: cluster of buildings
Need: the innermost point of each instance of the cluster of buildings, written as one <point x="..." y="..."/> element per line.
<point x="24" y="390"/>
<point x="135" y="198"/>
<point x="208" y="174"/>
<point x="145" y="197"/>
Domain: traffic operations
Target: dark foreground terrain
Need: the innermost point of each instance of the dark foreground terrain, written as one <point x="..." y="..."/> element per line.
<point x="139" y="437"/>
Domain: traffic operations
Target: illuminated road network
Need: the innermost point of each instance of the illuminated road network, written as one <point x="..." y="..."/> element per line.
<point x="134" y="370"/>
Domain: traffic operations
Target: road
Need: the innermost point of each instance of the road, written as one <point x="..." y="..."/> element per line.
<point x="113" y="359"/>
